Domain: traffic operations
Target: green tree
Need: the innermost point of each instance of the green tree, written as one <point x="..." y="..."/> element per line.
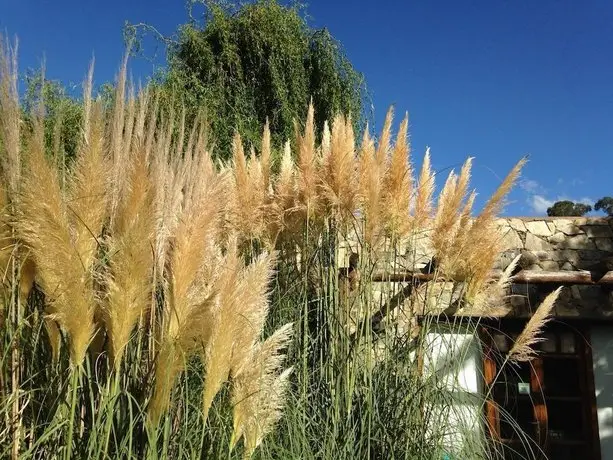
<point x="605" y="205"/>
<point x="568" y="208"/>
<point x="260" y="61"/>
<point x="63" y="113"/>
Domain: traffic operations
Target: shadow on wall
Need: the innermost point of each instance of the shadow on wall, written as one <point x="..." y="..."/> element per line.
<point x="602" y="349"/>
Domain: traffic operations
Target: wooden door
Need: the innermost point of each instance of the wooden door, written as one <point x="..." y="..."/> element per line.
<point x="544" y="408"/>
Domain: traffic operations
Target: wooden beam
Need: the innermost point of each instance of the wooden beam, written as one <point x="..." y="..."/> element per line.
<point x="561" y="277"/>
<point x="553" y="277"/>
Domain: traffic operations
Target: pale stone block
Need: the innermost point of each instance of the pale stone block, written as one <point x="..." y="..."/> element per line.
<point x="538" y="228"/>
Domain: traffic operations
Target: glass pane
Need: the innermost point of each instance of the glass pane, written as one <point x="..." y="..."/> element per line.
<point x="568" y="342"/>
<point x="561" y="378"/>
<point x="500" y="342"/>
<point x="517" y="416"/>
<point x="565" y="421"/>
<point x="548" y="344"/>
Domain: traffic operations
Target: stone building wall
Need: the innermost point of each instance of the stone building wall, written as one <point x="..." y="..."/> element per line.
<point x="553" y="244"/>
<point x="545" y="244"/>
<point x="561" y="244"/>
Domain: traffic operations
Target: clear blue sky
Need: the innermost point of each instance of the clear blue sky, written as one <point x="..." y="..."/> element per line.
<point x="491" y="79"/>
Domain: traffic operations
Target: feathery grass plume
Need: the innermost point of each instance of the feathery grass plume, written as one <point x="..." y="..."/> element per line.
<point x="284" y="194"/>
<point x="130" y="259"/>
<point x="218" y="351"/>
<point x="152" y="125"/>
<point x="483" y="241"/>
<point x="425" y="190"/>
<point x="445" y="218"/>
<point x="6" y="234"/>
<point x="169" y="182"/>
<point x="307" y="177"/>
<point x="370" y="189"/>
<point x="492" y="300"/>
<point x="522" y="350"/>
<point x="248" y="195"/>
<point x="449" y="224"/>
<point x="265" y="157"/>
<point x="10" y="151"/>
<point x="397" y="185"/>
<point x="339" y="174"/>
<point x="326" y="141"/>
<point x="87" y="196"/>
<point x="129" y="122"/>
<point x="383" y="147"/>
<point x="87" y="101"/>
<point x="45" y="226"/>
<point x="10" y="117"/>
<point x="192" y="271"/>
<point x="251" y="308"/>
<point x="118" y="153"/>
<point x="258" y="391"/>
<point x="260" y="196"/>
<point x="138" y="133"/>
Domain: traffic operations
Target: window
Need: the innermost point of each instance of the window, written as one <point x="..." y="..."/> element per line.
<point x="550" y="399"/>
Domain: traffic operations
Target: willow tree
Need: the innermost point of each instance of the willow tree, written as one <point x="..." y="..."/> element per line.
<point x="260" y="61"/>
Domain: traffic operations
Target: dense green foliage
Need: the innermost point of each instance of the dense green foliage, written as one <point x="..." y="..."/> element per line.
<point x="568" y="208"/>
<point x="605" y="205"/>
<point x="257" y="62"/>
<point x="63" y="113"/>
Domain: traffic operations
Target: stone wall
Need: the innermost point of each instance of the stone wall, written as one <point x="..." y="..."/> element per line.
<point x="554" y="244"/>
<point x="544" y="244"/>
<point x="558" y="243"/>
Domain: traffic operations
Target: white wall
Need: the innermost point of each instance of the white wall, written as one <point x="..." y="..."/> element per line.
<point x="454" y="363"/>
<point x="602" y="352"/>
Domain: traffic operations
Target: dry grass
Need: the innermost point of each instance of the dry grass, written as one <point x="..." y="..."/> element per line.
<point x="523" y="348"/>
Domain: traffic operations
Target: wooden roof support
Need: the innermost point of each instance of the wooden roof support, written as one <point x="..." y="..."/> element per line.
<point x="562" y="277"/>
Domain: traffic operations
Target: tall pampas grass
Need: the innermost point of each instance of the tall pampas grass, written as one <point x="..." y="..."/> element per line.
<point x="190" y="272"/>
<point x="45" y="225"/>
<point x="523" y="348"/>
<point x="258" y="390"/>
<point x="397" y="185"/>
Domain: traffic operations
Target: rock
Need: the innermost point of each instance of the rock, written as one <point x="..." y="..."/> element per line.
<point x="549" y="265"/>
<point x="567" y="266"/>
<point x="534" y="243"/>
<point x="518" y="301"/>
<point x="527" y="260"/>
<point x="592" y="255"/>
<point x="538" y="228"/>
<point x="557" y="238"/>
<point x="565" y="255"/>
<point x="435" y="297"/>
<point x="576" y="293"/>
<point x="598" y="231"/>
<point x="510" y="239"/>
<point x="604" y="244"/>
<point x="505" y="259"/>
<point x="578" y="242"/>
<point x="517" y="224"/>
<point x="568" y="227"/>
<point x="543" y="255"/>
<point x="565" y="310"/>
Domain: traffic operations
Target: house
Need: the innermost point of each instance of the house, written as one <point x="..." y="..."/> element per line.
<point x="563" y="399"/>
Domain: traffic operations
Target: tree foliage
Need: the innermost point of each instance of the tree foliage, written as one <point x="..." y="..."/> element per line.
<point x="605" y="205"/>
<point x="62" y="113"/>
<point x="568" y="208"/>
<point x="257" y="62"/>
